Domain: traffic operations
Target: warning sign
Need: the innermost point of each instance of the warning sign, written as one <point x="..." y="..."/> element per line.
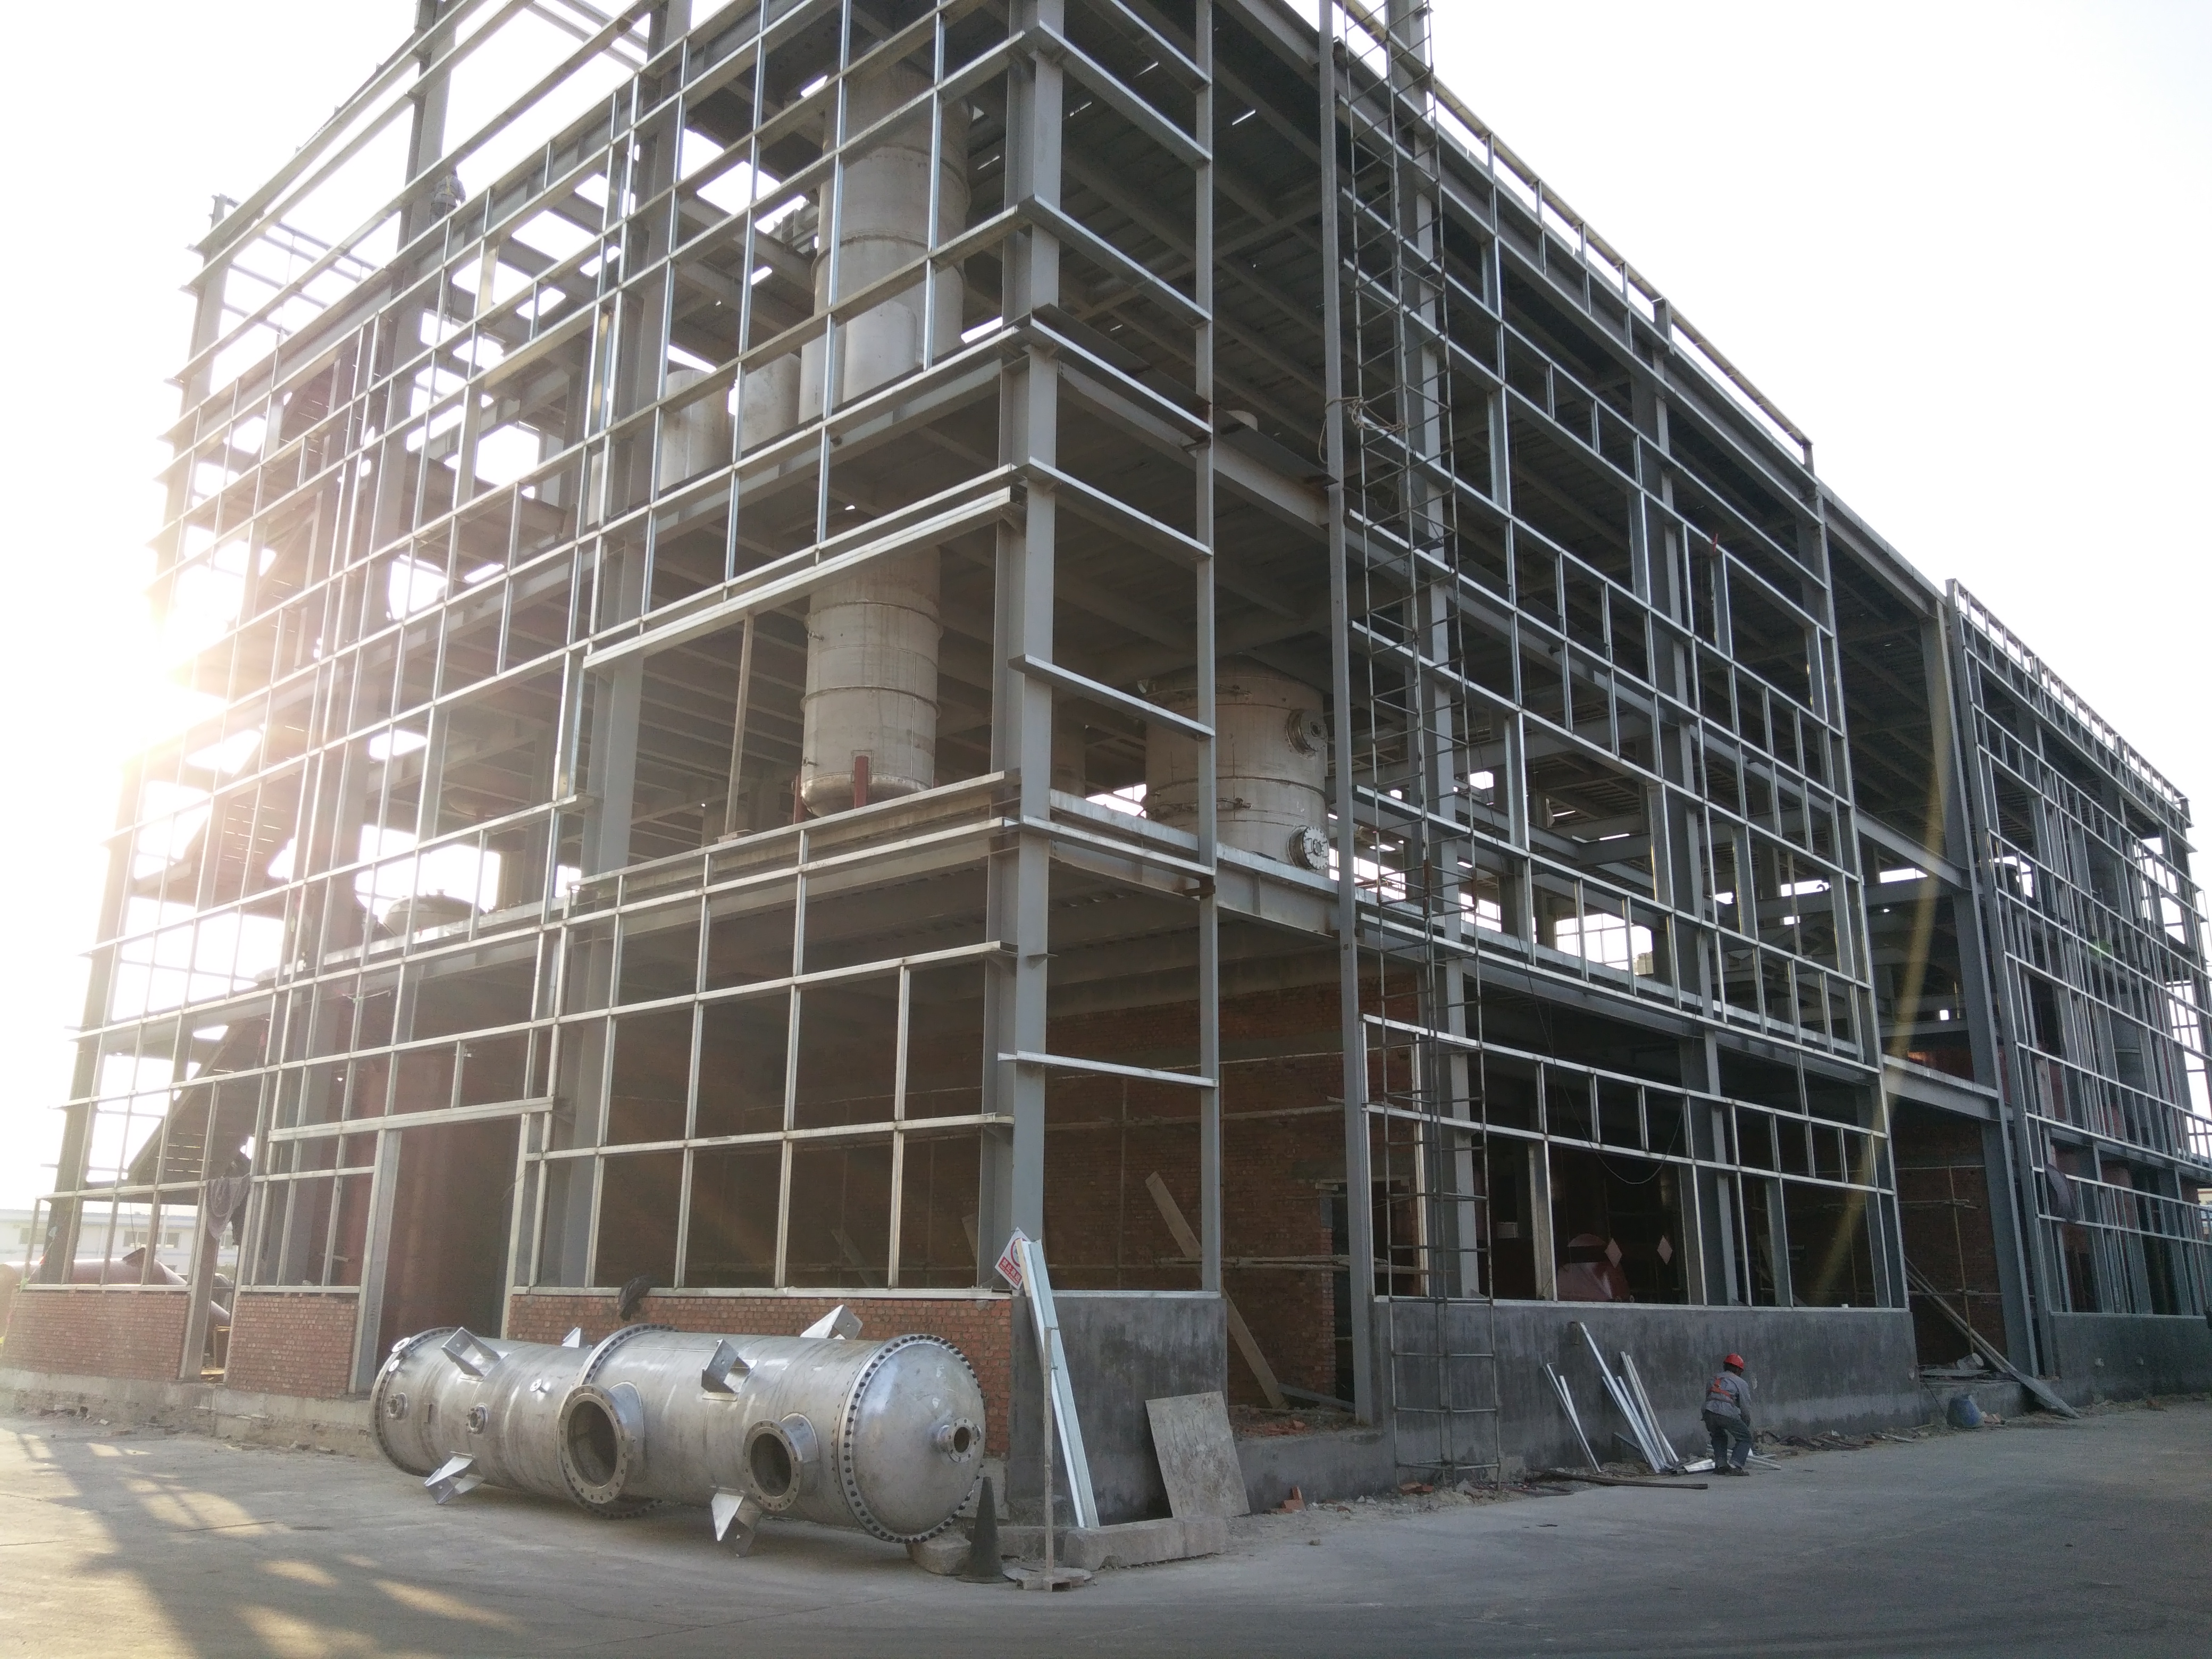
<point x="1010" y="1259"/>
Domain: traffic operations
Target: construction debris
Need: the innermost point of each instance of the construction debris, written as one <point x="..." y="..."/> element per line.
<point x="1574" y="1417"/>
<point x="1239" y="1332"/>
<point x="1632" y="1402"/>
<point x="2037" y="1389"/>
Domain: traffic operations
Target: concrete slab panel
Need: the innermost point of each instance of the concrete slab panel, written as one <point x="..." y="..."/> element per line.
<point x="1197" y="1453"/>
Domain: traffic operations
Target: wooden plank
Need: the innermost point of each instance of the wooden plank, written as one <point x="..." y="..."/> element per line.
<point x="1198" y="1456"/>
<point x="1239" y="1332"/>
<point x="2043" y="1394"/>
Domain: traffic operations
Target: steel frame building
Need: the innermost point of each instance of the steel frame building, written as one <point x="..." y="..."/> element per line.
<point x="1696" y="880"/>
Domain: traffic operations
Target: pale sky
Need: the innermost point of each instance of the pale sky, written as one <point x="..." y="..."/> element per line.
<point x="1961" y="245"/>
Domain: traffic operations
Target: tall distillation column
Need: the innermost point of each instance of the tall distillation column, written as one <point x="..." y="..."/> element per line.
<point x="871" y="701"/>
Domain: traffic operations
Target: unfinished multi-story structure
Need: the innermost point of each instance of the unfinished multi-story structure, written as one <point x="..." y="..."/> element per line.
<point x="832" y="627"/>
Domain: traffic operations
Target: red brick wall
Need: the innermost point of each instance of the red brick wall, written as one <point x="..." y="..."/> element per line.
<point x="1104" y="1136"/>
<point x="1269" y="1211"/>
<point x="981" y="1327"/>
<point x="296" y="1343"/>
<point x="86" y="1331"/>
<point x="1943" y="1205"/>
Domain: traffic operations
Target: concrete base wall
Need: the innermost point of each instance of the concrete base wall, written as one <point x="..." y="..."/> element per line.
<point x="1847" y="1369"/>
<point x="1123" y="1348"/>
<point x="1850" y="1369"/>
<point x="2127" y="1356"/>
<point x="1347" y="1463"/>
<point x="263" y="1419"/>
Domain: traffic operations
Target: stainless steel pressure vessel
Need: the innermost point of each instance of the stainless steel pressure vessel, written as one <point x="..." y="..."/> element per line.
<point x="883" y="1436"/>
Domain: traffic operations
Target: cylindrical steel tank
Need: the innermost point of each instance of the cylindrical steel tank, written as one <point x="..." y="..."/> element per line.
<point x="872" y="642"/>
<point x="500" y="1404"/>
<point x="883" y="223"/>
<point x="1270" y="768"/>
<point x="870" y="705"/>
<point x="696" y="438"/>
<point x="123" y="1270"/>
<point x="886" y="1436"/>
<point x="771" y="405"/>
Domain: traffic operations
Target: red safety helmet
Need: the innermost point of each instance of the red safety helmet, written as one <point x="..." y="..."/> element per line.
<point x="1734" y="1362"/>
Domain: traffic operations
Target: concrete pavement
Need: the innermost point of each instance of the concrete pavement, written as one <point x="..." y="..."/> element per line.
<point x="2040" y="1537"/>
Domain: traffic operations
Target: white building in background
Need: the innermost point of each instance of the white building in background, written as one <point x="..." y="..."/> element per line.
<point x="173" y="1248"/>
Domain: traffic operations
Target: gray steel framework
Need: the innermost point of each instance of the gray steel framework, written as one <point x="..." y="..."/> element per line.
<point x="2093" y="931"/>
<point x="1269" y="353"/>
<point x="1598" y="739"/>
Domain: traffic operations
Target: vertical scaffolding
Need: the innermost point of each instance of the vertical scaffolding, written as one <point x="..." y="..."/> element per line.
<point x="1440" y="1373"/>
